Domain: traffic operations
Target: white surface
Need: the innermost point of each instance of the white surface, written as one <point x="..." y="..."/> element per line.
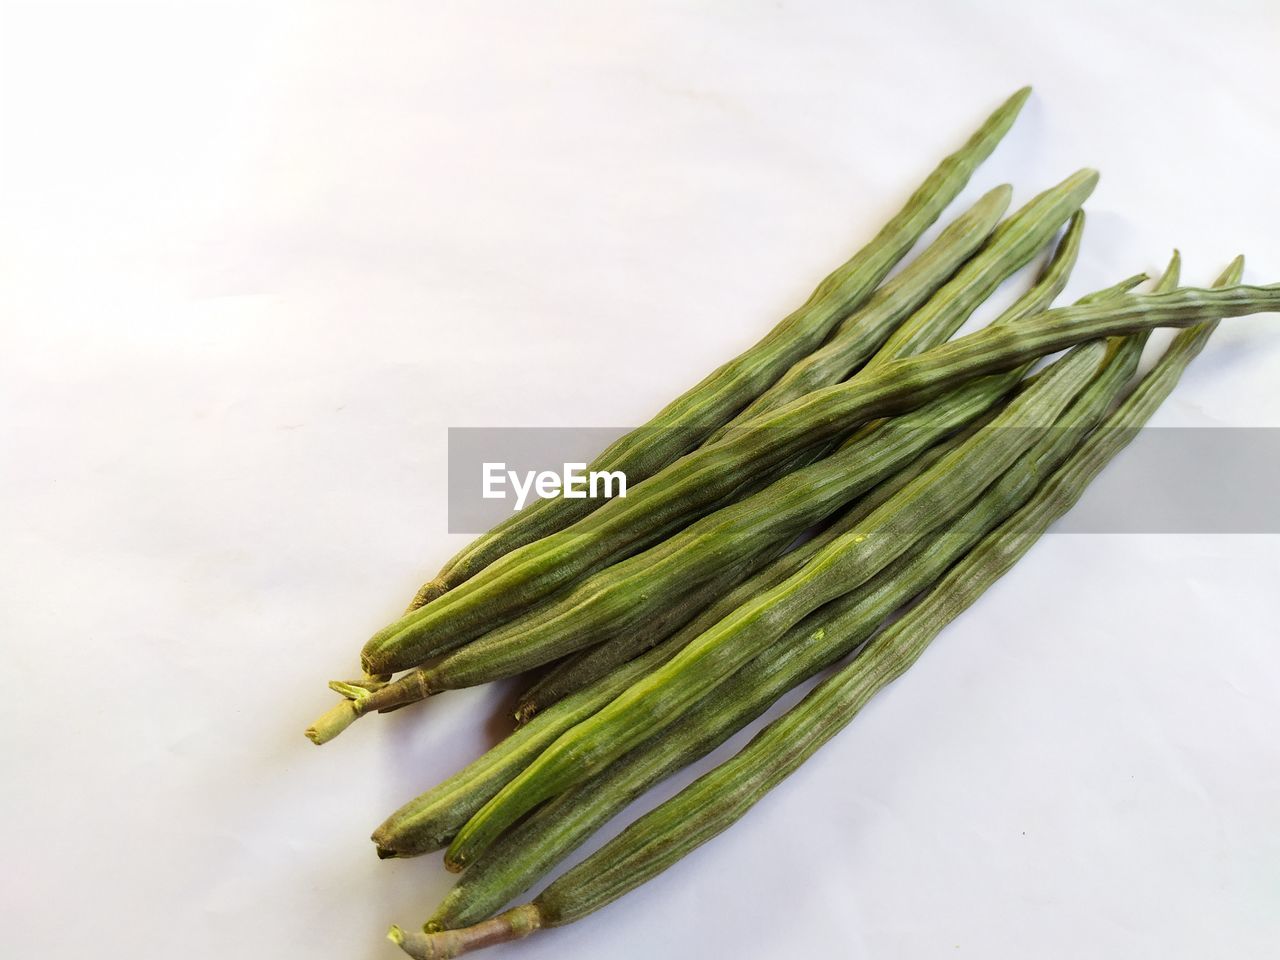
<point x="257" y="257"/>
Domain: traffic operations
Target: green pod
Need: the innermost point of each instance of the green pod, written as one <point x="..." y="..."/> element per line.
<point x="864" y="332"/>
<point x="850" y="345"/>
<point x="682" y="424"/>
<point x="701" y="477"/>
<point x="714" y="802"/>
<point x="721" y="797"/>
<point x="578" y="671"/>
<point x="553" y="831"/>
<point x="581" y="670"/>
<point x="630" y="597"/>
<point x="1016" y="242"/>
<point x="659" y="700"/>
<point x="430" y="821"/>
<point x="1033" y="224"/>
<point x="629" y="593"/>
<point x="1048" y="285"/>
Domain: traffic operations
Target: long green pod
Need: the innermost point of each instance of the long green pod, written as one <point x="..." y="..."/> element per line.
<point x="659" y="700"/>
<point x="628" y="593"/>
<point x="1040" y="215"/>
<point x="1015" y="243"/>
<point x="583" y="669"/>
<point x="1048" y="285"/>
<point x="701" y="477"/>
<point x="634" y="594"/>
<point x="552" y="832"/>
<point x="683" y="423"/>
<point x="523" y="640"/>
<point x="1012" y="245"/>
<point x="580" y="670"/>
<point x="862" y="333"/>
<point x="429" y="822"/>
<point x="720" y="798"/>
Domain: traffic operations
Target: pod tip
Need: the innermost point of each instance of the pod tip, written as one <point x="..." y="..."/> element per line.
<point x="426" y="593"/>
<point x="1002" y="193"/>
<point x="1233" y="273"/>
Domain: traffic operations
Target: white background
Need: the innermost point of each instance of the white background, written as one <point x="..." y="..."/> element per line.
<point x="257" y="257"/>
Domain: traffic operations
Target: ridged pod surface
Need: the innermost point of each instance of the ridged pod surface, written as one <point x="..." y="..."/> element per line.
<point x="532" y="572"/>
<point x="717" y="800"/>
<point x="681" y="425"/>
<point x="1030" y="226"/>
<point x="1013" y="245"/>
<point x="629" y="597"/>
<point x="430" y="821"/>
<point x="659" y="700"/>
<point x="579" y="671"/>
<point x="548" y="835"/>
<point x="583" y="669"/>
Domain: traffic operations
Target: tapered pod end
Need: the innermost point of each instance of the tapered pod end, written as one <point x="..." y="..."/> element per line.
<point x="505" y="927"/>
<point x="1172" y="273"/>
<point x="998" y="196"/>
<point x="426" y="593"/>
<point x="1086" y="179"/>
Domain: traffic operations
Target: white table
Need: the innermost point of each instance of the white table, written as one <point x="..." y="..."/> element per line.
<point x="258" y="257"/>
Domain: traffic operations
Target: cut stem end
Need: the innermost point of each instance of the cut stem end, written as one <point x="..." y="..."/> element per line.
<point x="332" y="722"/>
<point x="505" y="927"/>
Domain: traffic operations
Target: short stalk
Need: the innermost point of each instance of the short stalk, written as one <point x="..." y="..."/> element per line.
<point x="515" y="924"/>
